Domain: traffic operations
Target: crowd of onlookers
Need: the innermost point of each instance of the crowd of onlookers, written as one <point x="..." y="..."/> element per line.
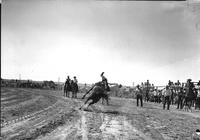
<point x="174" y="93"/>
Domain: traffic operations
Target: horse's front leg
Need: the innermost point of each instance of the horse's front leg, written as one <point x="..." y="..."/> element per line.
<point x="84" y="103"/>
<point x="91" y="103"/>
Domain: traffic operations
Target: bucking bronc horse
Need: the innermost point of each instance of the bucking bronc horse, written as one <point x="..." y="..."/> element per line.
<point x="98" y="92"/>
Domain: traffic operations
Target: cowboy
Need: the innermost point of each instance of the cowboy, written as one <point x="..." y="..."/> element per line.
<point x="189" y="85"/>
<point x="148" y="86"/>
<point x="105" y="81"/>
<point x="66" y="86"/>
<point x="180" y="98"/>
<point x="68" y="80"/>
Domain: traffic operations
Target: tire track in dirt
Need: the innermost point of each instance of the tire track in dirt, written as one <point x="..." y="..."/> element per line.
<point x="29" y="116"/>
<point x="7" y="98"/>
<point x="36" y="119"/>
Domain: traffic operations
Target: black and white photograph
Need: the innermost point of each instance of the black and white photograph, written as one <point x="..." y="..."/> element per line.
<point x="100" y="70"/>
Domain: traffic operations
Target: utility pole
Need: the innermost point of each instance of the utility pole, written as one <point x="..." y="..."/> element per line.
<point x="58" y="80"/>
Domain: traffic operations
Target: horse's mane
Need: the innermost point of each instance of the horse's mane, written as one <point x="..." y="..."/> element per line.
<point x="100" y="84"/>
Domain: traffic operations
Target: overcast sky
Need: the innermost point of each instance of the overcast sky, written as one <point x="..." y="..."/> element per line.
<point x="130" y="41"/>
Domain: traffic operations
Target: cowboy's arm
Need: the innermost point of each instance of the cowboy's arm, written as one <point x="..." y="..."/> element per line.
<point x="112" y="84"/>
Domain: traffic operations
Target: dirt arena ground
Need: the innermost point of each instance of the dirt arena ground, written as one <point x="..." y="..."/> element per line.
<point x="47" y="115"/>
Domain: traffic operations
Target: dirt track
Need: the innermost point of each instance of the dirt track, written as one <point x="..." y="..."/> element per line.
<point x="120" y="120"/>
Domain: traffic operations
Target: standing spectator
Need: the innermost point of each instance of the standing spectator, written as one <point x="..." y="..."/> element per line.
<point x="169" y="83"/>
<point x="148" y="86"/>
<point x="74" y="86"/>
<point x="139" y="96"/>
<point x="178" y="83"/>
<point x="167" y="94"/>
<point x="152" y="87"/>
<point x="142" y="85"/>
<point x="180" y="98"/>
<point x="172" y="97"/>
<point x="177" y="86"/>
<point x="155" y="94"/>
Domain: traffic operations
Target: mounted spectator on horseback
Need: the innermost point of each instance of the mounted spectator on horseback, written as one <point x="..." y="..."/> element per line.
<point x="67" y="86"/>
<point x="74" y="86"/>
<point x="190" y="94"/>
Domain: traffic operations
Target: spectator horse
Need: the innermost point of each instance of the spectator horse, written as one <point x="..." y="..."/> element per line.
<point x="74" y="89"/>
<point x="70" y="87"/>
<point x="189" y="99"/>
